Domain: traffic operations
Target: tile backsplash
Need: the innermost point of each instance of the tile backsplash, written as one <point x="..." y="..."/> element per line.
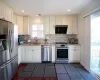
<point x="52" y="38"/>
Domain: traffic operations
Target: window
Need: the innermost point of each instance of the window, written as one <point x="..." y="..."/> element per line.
<point x="37" y="30"/>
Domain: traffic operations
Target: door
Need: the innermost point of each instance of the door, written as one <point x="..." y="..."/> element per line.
<point x="95" y="42"/>
<point x="6" y="71"/>
<point x="13" y="40"/>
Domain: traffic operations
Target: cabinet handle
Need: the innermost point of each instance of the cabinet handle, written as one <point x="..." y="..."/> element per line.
<point x="32" y="50"/>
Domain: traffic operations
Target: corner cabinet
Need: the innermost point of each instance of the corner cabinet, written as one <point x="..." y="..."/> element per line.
<point x="30" y="54"/>
<point x="74" y="53"/>
<point x="6" y="12"/>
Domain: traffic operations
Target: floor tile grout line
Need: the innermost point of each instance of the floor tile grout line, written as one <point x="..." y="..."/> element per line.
<point x="56" y="72"/>
<point x="44" y="70"/>
<point x="33" y="71"/>
<point x="80" y="73"/>
<point x="67" y="72"/>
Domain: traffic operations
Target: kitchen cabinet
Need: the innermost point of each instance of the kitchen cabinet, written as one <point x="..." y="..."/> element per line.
<point x="52" y="25"/>
<point x="1" y="10"/>
<point x="30" y="54"/>
<point x="53" y="54"/>
<point x="74" y="53"/>
<point x="70" y="20"/>
<point x="20" y="24"/>
<point x="26" y="24"/>
<point x="20" y="49"/>
<point x="72" y="24"/>
<point x="6" y="12"/>
<point x="46" y="25"/>
<point x="58" y="20"/>
<point x="14" y="19"/>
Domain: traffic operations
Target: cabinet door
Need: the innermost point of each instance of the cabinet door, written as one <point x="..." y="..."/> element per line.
<point x="46" y="25"/>
<point x="52" y="24"/>
<point x="75" y="24"/>
<point x="20" y="24"/>
<point x="37" y="56"/>
<point x="53" y="54"/>
<point x="19" y="54"/>
<point x="1" y="11"/>
<point x="74" y="55"/>
<point x="29" y="58"/>
<point x="23" y="55"/>
<point x="15" y="19"/>
<point x="58" y="20"/>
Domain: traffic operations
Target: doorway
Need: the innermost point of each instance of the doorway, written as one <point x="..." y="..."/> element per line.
<point x="95" y="44"/>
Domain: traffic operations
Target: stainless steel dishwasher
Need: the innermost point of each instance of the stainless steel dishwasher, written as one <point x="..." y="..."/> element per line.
<point x="46" y="54"/>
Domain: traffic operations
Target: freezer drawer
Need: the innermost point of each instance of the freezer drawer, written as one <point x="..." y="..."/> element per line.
<point x="14" y="65"/>
<point x="6" y="71"/>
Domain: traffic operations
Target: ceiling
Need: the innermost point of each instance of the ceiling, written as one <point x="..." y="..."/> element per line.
<point x="47" y="7"/>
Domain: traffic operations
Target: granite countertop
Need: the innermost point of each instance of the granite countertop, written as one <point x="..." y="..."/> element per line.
<point x="41" y="44"/>
<point x="38" y="44"/>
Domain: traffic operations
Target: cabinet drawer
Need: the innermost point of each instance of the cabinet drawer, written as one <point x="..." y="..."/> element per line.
<point x="74" y="46"/>
<point x="33" y="47"/>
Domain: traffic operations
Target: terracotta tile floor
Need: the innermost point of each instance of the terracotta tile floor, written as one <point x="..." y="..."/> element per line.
<point x="20" y="69"/>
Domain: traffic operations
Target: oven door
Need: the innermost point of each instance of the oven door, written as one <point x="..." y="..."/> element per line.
<point x="62" y="53"/>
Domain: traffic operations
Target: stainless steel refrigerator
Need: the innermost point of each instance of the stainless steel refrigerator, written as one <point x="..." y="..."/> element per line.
<point x="8" y="50"/>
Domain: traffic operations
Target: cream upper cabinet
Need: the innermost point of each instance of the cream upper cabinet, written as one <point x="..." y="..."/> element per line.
<point x="6" y="12"/>
<point x="46" y="24"/>
<point x="20" y="24"/>
<point x="14" y="19"/>
<point x="52" y="25"/>
<point x="1" y="10"/>
<point x="26" y="25"/>
<point x="75" y="24"/>
<point x="72" y="24"/>
<point x="70" y="20"/>
<point x="58" y="20"/>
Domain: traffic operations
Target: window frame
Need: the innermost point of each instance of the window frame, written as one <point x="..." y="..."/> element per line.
<point x="42" y="30"/>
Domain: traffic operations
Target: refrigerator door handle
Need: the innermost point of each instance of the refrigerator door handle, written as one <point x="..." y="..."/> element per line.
<point x="10" y="41"/>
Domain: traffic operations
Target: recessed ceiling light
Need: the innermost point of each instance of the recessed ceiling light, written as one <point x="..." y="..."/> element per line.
<point x="36" y="15"/>
<point x="22" y="10"/>
<point x="69" y="10"/>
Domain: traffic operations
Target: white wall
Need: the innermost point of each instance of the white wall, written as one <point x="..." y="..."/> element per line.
<point x="84" y="33"/>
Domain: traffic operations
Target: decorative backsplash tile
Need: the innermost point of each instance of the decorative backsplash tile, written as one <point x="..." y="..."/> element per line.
<point x="52" y="38"/>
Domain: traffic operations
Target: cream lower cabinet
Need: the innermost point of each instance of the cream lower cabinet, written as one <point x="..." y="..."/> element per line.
<point x="30" y="54"/>
<point x="74" y="54"/>
<point x="53" y="53"/>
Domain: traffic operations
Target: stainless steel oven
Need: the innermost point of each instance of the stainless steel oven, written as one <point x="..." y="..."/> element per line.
<point x="61" y="53"/>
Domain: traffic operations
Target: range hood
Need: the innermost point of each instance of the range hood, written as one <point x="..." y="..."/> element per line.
<point x="61" y="29"/>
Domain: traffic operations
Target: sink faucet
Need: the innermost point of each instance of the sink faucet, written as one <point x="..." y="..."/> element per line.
<point x="36" y="40"/>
